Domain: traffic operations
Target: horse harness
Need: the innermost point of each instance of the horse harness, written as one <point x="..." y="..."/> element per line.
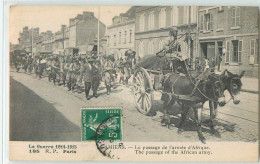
<point x="191" y="96"/>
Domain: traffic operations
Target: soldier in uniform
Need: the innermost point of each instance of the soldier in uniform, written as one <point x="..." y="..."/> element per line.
<point x="54" y="69"/>
<point x="121" y="70"/>
<point x="48" y="69"/>
<point x="172" y="50"/>
<point x="86" y="73"/>
<point x="72" y="75"/>
<point x="62" y="71"/>
<point x="127" y="69"/>
<point x="95" y="78"/>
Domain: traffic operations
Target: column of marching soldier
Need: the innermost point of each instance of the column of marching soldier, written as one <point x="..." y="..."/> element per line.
<point x="76" y="72"/>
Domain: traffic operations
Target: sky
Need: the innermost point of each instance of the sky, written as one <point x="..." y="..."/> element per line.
<point x="52" y="17"/>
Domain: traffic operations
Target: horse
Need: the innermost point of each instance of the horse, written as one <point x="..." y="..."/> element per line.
<point x="232" y="83"/>
<point x="182" y="89"/>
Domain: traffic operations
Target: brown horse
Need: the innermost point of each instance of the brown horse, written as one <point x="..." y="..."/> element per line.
<point x="190" y="95"/>
<point x="232" y="83"/>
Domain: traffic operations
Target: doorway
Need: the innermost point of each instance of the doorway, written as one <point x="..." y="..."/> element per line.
<point x="208" y="51"/>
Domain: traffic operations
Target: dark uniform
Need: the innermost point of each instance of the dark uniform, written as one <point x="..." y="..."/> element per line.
<point x="172" y="51"/>
<point x="86" y="74"/>
<point x="127" y="69"/>
<point x="54" y="70"/>
<point x="71" y="76"/>
<point x="95" y="80"/>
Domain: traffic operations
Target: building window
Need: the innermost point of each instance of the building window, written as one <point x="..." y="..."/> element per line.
<point x="125" y="37"/>
<point x="228" y="52"/>
<point x="141" y="49"/>
<point x="240" y="51"/>
<point x="193" y="14"/>
<point x="254" y="51"/>
<point x="208" y="20"/>
<point x="252" y="47"/>
<point x="119" y="38"/>
<point x="201" y="22"/>
<point x="141" y="22"/>
<point x="257" y="52"/>
<point x="150" y="47"/>
<point x="186" y="15"/>
<point x="235" y="16"/>
<point x="130" y="36"/>
<point x="114" y="40"/>
<point x="220" y="18"/>
<point x="180" y="15"/>
<point x="235" y="49"/>
<point x="151" y="20"/>
<point x="174" y="16"/>
<point x="162" y="18"/>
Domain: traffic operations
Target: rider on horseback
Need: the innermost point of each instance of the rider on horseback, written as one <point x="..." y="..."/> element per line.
<point x="172" y="50"/>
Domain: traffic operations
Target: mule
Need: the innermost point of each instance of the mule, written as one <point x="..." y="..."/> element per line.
<point x="190" y="95"/>
<point x="232" y="83"/>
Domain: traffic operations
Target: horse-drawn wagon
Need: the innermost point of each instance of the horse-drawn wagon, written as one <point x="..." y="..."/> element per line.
<point x="190" y="91"/>
<point x="149" y="76"/>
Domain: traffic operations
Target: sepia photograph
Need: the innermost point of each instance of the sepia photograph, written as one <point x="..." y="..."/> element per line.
<point x="176" y="73"/>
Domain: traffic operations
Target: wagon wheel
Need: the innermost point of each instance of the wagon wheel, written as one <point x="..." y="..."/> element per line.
<point x="143" y="91"/>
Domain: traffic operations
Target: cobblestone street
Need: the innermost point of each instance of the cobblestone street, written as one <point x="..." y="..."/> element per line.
<point x="55" y="114"/>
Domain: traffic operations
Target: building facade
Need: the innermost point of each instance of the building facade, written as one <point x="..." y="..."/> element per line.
<point x="59" y="39"/>
<point x="232" y="32"/>
<point x="153" y="24"/>
<point x="121" y="34"/>
<point x="27" y="38"/>
<point x="83" y="29"/>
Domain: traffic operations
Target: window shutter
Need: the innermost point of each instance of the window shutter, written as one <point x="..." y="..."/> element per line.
<point x="204" y="22"/>
<point x="233" y="16"/>
<point x="237" y="16"/>
<point x="211" y="21"/>
<point x="252" y="52"/>
<point x="228" y="52"/>
<point x="201" y="22"/>
<point x="257" y="52"/>
<point x="240" y="51"/>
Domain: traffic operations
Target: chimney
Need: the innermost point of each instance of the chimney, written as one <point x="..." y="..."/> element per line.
<point x="87" y="15"/>
<point x="25" y="28"/>
<point x="71" y="20"/>
<point x="63" y="27"/>
<point x="79" y="16"/>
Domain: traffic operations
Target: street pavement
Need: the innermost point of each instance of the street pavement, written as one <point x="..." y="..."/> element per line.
<point x="250" y="84"/>
<point x="41" y="111"/>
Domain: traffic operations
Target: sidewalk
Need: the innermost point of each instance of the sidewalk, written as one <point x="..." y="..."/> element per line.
<point x="250" y="84"/>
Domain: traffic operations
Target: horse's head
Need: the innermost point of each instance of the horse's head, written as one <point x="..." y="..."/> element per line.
<point x="216" y="89"/>
<point x="234" y="85"/>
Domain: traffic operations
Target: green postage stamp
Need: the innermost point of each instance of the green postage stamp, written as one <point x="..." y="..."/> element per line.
<point x="101" y="124"/>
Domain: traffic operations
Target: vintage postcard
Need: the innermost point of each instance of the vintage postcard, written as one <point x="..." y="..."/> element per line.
<point x="133" y="83"/>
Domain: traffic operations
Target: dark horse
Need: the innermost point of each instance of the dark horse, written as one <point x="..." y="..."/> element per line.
<point x="190" y="95"/>
<point x="232" y="83"/>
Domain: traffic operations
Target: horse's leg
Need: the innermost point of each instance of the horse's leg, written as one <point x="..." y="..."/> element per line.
<point x="213" y="115"/>
<point x="185" y="110"/>
<point x="166" y="117"/>
<point x="198" y="113"/>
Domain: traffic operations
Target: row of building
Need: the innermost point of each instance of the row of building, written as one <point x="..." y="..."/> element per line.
<point x="212" y="31"/>
<point x="80" y="33"/>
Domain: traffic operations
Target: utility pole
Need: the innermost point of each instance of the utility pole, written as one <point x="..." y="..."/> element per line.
<point x="32" y="42"/>
<point x="98" y="31"/>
